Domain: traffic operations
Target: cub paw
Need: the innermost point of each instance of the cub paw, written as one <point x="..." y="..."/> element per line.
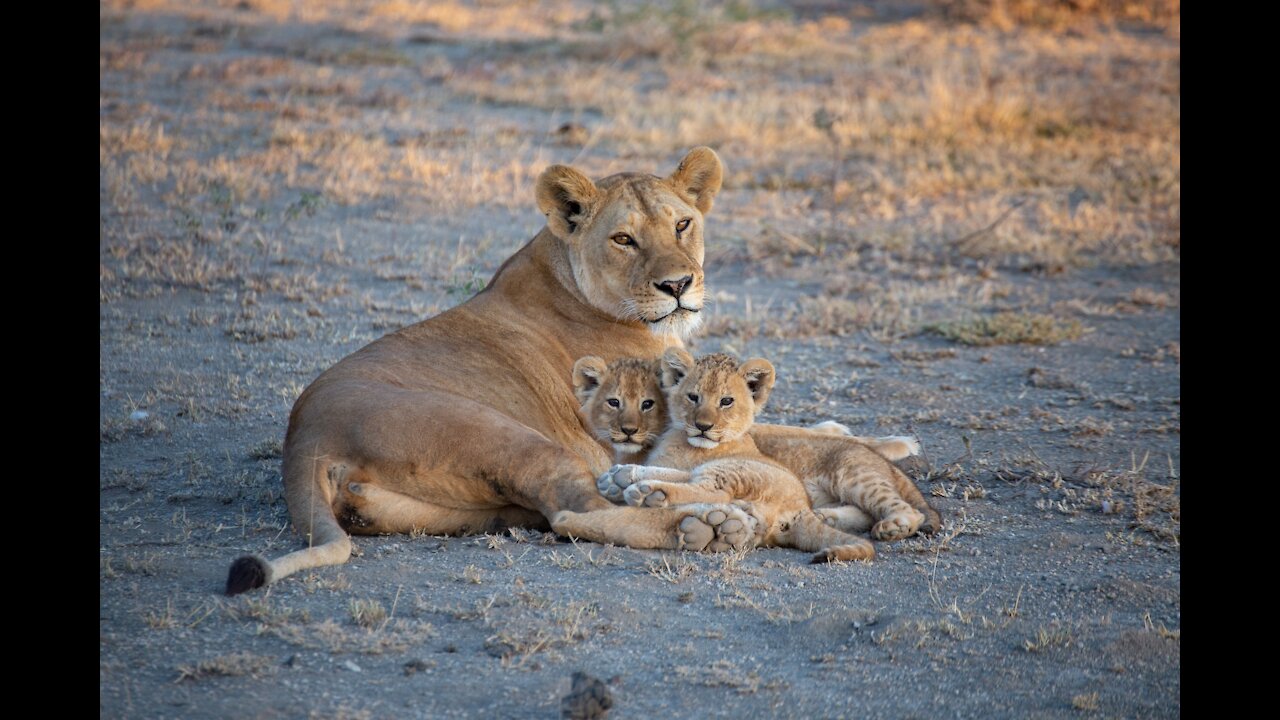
<point x="718" y="528"/>
<point x="614" y="482"/>
<point x="644" y="495"/>
<point x="897" y="447"/>
<point x="897" y="526"/>
<point x="844" y="553"/>
<point x="831" y="427"/>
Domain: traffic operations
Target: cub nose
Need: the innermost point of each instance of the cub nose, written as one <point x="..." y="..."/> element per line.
<point x="675" y="288"/>
<point x="704" y="426"/>
<point x="629" y="430"/>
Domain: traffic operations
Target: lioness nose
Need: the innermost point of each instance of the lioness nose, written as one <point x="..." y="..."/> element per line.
<point x="675" y="288"/>
<point x="629" y="430"/>
<point x="704" y="426"/>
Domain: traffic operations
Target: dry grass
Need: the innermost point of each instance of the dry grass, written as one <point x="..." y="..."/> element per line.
<point x="1087" y="702"/>
<point x="1008" y="328"/>
<point x="233" y="665"/>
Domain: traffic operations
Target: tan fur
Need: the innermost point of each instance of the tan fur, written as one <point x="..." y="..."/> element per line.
<point x="842" y="474"/>
<point x="622" y="403"/>
<point x="465" y="422"/>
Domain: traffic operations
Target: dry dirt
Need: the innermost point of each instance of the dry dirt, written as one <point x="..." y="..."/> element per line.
<point x="937" y="219"/>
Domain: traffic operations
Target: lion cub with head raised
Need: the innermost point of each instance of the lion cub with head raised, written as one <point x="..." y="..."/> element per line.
<point x="623" y="404"/>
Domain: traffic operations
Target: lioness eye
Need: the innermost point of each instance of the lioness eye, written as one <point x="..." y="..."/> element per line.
<point x="682" y="226"/>
<point x="623" y="239"/>
<point x="646" y="405"/>
<point x="726" y="402"/>
<point x="613" y="402"/>
<point x="693" y="397"/>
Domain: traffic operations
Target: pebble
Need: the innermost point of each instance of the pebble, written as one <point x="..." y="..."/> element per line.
<point x="352" y="666"/>
<point x="139" y="415"/>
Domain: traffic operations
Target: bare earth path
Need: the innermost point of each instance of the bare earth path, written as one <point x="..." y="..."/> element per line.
<point x="282" y="184"/>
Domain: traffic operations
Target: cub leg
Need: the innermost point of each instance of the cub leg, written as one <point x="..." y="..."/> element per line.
<point x="806" y="531"/>
<point x="849" y="518"/>
<point x="613" y="483"/>
<point x="870" y="486"/>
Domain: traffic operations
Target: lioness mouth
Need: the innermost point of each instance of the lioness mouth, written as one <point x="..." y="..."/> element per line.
<point x="702" y="441"/>
<point x="673" y="312"/>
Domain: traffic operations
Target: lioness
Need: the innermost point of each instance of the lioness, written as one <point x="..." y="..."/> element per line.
<point x="466" y="422"/>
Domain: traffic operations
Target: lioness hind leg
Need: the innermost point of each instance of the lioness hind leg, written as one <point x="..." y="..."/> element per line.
<point x="385" y="511"/>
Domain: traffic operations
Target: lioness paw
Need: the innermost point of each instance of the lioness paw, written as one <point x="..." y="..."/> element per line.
<point x="613" y="483"/>
<point x="644" y="495"/>
<point x="718" y="528"/>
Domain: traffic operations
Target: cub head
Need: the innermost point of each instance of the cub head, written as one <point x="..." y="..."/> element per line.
<point x="714" y="399"/>
<point x="634" y="241"/>
<point x="622" y="401"/>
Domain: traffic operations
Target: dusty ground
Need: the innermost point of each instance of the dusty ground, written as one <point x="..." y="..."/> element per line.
<point x="281" y="184"/>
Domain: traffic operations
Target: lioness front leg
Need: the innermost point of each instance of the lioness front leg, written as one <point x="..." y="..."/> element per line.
<point x="614" y="483"/>
<point x="686" y="527"/>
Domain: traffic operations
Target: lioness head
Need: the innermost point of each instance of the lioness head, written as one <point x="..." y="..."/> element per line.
<point x="622" y="401"/>
<point x="714" y="399"/>
<point x="635" y="241"/>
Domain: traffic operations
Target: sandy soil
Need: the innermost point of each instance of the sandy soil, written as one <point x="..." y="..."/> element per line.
<point x="282" y="184"/>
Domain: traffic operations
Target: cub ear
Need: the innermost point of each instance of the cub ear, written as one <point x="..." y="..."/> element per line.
<point x="587" y="373"/>
<point x="698" y="177"/>
<point x="759" y="375"/>
<point x="566" y="197"/>
<point x="676" y="363"/>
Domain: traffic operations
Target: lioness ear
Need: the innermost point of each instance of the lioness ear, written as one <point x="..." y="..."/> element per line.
<point x="565" y="196"/>
<point x="760" y="376"/>
<point x="676" y="363"/>
<point x="586" y="377"/>
<point x="699" y="177"/>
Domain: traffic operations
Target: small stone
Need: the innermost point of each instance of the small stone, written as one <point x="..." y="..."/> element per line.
<point x="352" y="666"/>
<point x="139" y="415"/>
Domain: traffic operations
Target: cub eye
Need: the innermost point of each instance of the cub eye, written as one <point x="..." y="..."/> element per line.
<point x="613" y="402"/>
<point x="682" y="226"/>
<point x="623" y="239"/>
<point x="693" y="397"/>
<point x="726" y="402"/>
<point x="646" y="405"/>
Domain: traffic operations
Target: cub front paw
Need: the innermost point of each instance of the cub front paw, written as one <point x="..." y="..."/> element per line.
<point x="644" y="495"/>
<point x="614" y="482"/>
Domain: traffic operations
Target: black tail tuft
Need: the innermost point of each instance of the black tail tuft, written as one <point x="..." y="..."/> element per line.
<point x="247" y="572"/>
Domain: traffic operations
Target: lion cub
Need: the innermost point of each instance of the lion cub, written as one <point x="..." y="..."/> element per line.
<point x="841" y="475"/>
<point x="707" y="456"/>
<point x="623" y="404"/>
